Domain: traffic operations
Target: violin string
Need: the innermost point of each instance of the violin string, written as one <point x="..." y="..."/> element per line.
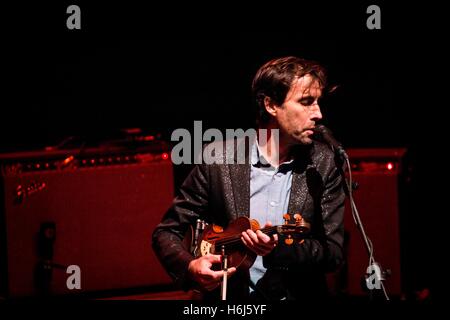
<point x="237" y="238"/>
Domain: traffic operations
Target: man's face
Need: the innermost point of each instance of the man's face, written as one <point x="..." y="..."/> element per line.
<point x="300" y="111"/>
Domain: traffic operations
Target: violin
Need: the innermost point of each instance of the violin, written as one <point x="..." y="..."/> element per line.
<point x="214" y="239"/>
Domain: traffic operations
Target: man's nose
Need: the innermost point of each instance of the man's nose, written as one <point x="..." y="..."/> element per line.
<point x="316" y="114"/>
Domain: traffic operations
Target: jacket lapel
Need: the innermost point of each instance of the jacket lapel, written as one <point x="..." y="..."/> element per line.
<point x="240" y="177"/>
<point x="299" y="190"/>
<point x="240" y="181"/>
<point x="299" y="187"/>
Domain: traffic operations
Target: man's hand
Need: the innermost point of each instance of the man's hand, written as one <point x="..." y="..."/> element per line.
<point x="258" y="242"/>
<point x="200" y="271"/>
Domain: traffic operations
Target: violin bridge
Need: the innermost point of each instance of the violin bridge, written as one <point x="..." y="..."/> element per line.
<point x="206" y="247"/>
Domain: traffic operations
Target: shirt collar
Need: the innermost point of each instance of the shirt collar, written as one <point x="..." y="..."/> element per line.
<point x="257" y="158"/>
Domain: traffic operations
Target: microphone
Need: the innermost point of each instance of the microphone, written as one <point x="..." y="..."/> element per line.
<point x="323" y="133"/>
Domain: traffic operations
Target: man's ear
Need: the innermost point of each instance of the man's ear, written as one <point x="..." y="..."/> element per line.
<point x="271" y="106"/>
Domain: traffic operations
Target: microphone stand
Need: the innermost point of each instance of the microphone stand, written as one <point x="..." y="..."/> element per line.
<point x="373" y="265"/>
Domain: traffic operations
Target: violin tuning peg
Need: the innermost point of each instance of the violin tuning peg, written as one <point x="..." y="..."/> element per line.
<point x="289" y="240"/>
<point x="298" y="217"/>
<point x="286" y="218"/>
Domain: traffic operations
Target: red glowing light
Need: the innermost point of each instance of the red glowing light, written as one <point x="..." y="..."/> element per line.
<point x="149" y="138"/>
<point x="390" y="166"/>
<point x="165" y="156"/>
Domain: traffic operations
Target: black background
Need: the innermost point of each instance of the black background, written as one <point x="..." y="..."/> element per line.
<point x="163" y="65"/>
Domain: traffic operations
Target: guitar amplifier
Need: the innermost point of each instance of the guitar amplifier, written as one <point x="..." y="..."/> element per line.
<point x="76" y="222"/>
<point x="380" y="179"/>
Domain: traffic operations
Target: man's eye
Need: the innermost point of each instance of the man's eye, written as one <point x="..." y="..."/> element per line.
<point x="307" y="101"/>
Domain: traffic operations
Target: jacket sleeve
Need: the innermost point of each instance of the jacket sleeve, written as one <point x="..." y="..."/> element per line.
<point x="323" y="251"/>
<point x="167" y="240"/>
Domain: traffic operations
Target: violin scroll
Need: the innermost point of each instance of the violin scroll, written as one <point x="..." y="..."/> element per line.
<point x="301" y="227"/>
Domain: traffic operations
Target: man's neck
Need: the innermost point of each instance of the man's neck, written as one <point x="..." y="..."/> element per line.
<point x="273" y="147"/>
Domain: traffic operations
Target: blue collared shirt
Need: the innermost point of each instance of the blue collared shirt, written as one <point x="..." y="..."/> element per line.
<point x="270" y="189"/>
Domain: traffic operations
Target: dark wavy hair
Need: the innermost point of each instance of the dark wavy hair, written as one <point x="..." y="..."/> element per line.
<point x="275" y="78"/>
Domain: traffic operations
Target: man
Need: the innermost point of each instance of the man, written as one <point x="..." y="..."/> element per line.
<point x="298" y="175"/>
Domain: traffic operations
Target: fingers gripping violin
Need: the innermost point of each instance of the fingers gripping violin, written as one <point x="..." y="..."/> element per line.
<point x="214" y="239"/>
